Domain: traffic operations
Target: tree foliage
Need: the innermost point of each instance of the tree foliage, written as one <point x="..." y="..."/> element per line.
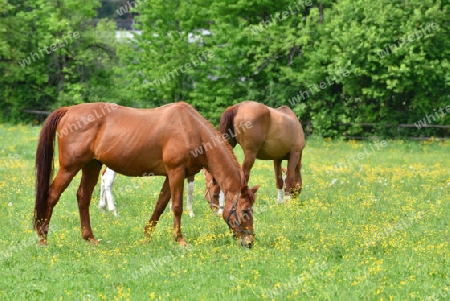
<point x="332" y="61"/>
<point x="52" y="56"/>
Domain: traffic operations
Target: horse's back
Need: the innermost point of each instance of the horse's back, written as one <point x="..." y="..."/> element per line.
<point x="275" y="132"/>
<point x="131" y="141"/>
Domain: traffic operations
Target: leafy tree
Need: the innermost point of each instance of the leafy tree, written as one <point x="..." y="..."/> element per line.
<point x="397" y="53"/>
<point x="332" y="61"/>
<point x="52" y="56"/>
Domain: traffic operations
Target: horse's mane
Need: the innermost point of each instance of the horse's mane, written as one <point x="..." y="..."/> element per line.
<point x="210" y="127"/>
<point x="285" y="108"/>
<point x="288" y="111"/>
<point x="227" y="118"/>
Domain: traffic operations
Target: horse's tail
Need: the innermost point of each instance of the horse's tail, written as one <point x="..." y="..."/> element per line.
<point x="44" y="164"/>
<point x="226" y="125"/>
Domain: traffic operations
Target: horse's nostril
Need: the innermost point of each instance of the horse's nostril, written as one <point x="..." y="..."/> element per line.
<point x="245" y="242"/>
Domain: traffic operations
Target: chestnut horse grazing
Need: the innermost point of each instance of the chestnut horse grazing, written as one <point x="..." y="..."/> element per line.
<point x="267" y="134"/>
<point x="137" y="142"/>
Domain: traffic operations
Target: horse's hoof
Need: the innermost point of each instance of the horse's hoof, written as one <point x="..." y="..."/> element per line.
<point x="94" y="241"/>
<point x="284" y="200"/>
<point x="182" y="243"/>
<point x="191" y="214"/>
<point x="42" y="243"/>
<point x="148" y="231"/>
<point x="144" y="241"/>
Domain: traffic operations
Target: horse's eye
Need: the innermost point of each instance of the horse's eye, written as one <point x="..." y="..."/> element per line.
<point x="246" y="210"/>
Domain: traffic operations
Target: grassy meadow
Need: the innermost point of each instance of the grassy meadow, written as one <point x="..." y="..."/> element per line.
<point x="372" y="223"/>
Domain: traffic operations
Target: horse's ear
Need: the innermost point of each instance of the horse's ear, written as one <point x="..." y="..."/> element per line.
<point x="255" y="188"/>
<point x="253" y="194"/>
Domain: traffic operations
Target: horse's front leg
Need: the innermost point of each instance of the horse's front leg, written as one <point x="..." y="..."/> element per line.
<point x="278" y="179"/>
<point x="189" y="207"/>
<point x="163" y="200"/>
<point x="298" y="176"/>
<point x="294" y="157"/>
<point x="176" y="181"/>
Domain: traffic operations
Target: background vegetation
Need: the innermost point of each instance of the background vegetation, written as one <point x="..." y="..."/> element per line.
<point x="298" y="45"/>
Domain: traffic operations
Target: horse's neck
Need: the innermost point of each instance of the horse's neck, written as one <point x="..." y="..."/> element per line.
<point x="220" y="161"/>
<point x="228" y="178"/>
<point x="224" y="168"/>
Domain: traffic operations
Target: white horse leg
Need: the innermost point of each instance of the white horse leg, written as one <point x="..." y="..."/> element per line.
<point x="280" y="195"/>
<point x="102" y="201"/>
<point x="279" y="181"/>
<point x="221" y="202"/>
<point x="284" y="198"/>
<point x="189" y="208"/>
<point x="107" y="183"/>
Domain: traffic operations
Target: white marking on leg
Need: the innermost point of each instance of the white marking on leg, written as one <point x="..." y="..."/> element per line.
<point x="106" y="195"/>
<point x="102" y="201"/>
<point x="280" y="195"/>
<point x="221" y="202"/>
<point x="189" y="208"/>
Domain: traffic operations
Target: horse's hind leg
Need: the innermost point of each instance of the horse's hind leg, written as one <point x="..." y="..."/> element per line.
<point x="189" y="207"/>
<point x="60" y="183"/>
<point x="163" y="200"/>
<point x="89" y="179"/>
<point x="278" y="179"/>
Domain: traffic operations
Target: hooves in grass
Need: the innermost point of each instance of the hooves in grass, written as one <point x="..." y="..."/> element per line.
<point x="182" y="243"/>
<point x="94" y="241"/>
<point x="284" y="200"/>
<point x="42" y="243"/>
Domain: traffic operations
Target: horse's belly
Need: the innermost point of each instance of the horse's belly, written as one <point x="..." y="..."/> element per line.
<point x="272" y="151"/>
<point x="130" y="159"/>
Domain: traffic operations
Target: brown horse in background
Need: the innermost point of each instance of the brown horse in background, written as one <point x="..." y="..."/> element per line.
<point x="137" y="142"/>
<point x="265" y="133"/>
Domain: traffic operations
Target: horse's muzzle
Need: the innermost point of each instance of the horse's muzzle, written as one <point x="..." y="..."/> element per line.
<point x="247" y="241"/>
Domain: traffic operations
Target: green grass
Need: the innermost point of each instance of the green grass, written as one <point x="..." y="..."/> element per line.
<point x="375" y="229"/>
